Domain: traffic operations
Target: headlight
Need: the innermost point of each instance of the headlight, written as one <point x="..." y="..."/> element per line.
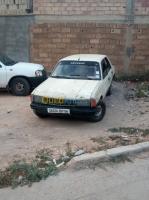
<point x="36" y="99"/>
<point x="38" y="73"/>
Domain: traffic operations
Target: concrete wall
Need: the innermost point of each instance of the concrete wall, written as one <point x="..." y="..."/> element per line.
<point x="15" y="36"/>
<point x="15" y="7"/>
<point x="15" y="22"/>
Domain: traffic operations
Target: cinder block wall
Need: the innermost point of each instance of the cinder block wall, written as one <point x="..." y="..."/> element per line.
<point x="142" y="7"/>
<point x="118" y="28"/>
<point x="80" y="7"/>
<point x="52" y="41"/>
<point x="15" y="7"/>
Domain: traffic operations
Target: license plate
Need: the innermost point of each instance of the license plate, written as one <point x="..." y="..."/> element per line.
<point x="58" y="111"/>
<point x="52" y="101"/>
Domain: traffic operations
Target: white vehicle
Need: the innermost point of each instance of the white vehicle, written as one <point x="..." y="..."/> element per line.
<point x="77" y="86"/>
<point x="19" y="77"/>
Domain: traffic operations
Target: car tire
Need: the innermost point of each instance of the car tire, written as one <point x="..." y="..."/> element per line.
<point x="40" y="114"/>
<point x="20" y="87"/>
<point x="100" y="112"/>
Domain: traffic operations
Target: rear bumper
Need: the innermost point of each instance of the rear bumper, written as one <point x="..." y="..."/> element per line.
<point x="76" y="111"/>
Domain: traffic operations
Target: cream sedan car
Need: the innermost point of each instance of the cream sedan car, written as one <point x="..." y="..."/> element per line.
<point x="77" y="86"/>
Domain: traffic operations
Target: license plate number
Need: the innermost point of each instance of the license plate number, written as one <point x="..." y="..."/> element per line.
<point x="58" y="111"/>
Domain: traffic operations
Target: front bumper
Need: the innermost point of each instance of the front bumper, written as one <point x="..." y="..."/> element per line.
<point x="35" y="81"/>
<point x="75" y="111"/>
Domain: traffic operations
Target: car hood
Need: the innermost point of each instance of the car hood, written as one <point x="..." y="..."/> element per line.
<point x="66" y="88"/>
<point x="30" y="66"/>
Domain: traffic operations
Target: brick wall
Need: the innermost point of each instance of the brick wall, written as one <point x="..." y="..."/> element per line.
<point x="140" y="58"/>
<point x="118" y="28"/>
<point x="80" y="7"/>
<point x="112" y="27"/>
<point x="50" y="42"/>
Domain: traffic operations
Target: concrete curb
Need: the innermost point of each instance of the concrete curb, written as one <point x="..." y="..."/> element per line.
<point x="101" y="156"/>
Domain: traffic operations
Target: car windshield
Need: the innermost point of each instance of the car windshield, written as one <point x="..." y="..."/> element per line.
<point x="6" y="60"/>
<point x="77" y="70"/>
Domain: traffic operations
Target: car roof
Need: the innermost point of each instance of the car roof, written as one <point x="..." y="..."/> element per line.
<point x="85" y="57"/>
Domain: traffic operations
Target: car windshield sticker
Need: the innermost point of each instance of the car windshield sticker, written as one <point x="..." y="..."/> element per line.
<point x="77" y="63"/>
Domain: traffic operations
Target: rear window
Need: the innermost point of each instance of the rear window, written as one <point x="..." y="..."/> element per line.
<point x="77" y="70"/>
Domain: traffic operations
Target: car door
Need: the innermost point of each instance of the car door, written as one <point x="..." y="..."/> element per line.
<point x="3" y="76"/>
<point x="106" y="78"/>
<point x="110" y="70"/>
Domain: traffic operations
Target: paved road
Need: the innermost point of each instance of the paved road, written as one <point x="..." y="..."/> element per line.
<point x="123" y="181"/>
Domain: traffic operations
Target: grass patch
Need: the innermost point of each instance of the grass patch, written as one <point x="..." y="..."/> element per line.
<point x="142" y="90"/>
<point x="139" y="90"/>
<point x="130" y="130"/>
<point x="130" y="136"/>
<point x="135" y="78"/>
<point x="23" y="173"/>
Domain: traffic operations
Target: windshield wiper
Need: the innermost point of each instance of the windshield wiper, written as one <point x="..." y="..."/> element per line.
<point x="82" y="77"/>
<point x="75" y="75"/>
<point x="78" y="76"/>
<point x="67" y="77"/>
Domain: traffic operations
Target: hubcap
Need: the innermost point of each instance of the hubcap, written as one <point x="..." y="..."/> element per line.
<point x="19" y="87"/>
<point x="99" y="111"/>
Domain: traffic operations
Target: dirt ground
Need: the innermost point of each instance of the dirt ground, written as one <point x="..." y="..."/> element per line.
<point x="22" y="133"/>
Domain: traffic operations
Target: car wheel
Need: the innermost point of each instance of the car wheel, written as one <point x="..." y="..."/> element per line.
<point x="40" y="114"/>
<point x="20" y="87"/>
<point x="100" y="112"/>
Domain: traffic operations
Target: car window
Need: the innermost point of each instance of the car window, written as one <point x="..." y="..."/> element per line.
<point x="108" y="64"/>
<point x="105" y="65"/>
<point x="77" y="70"/>
<point x="6" y="60"/>
<point x="104" y="68"/>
